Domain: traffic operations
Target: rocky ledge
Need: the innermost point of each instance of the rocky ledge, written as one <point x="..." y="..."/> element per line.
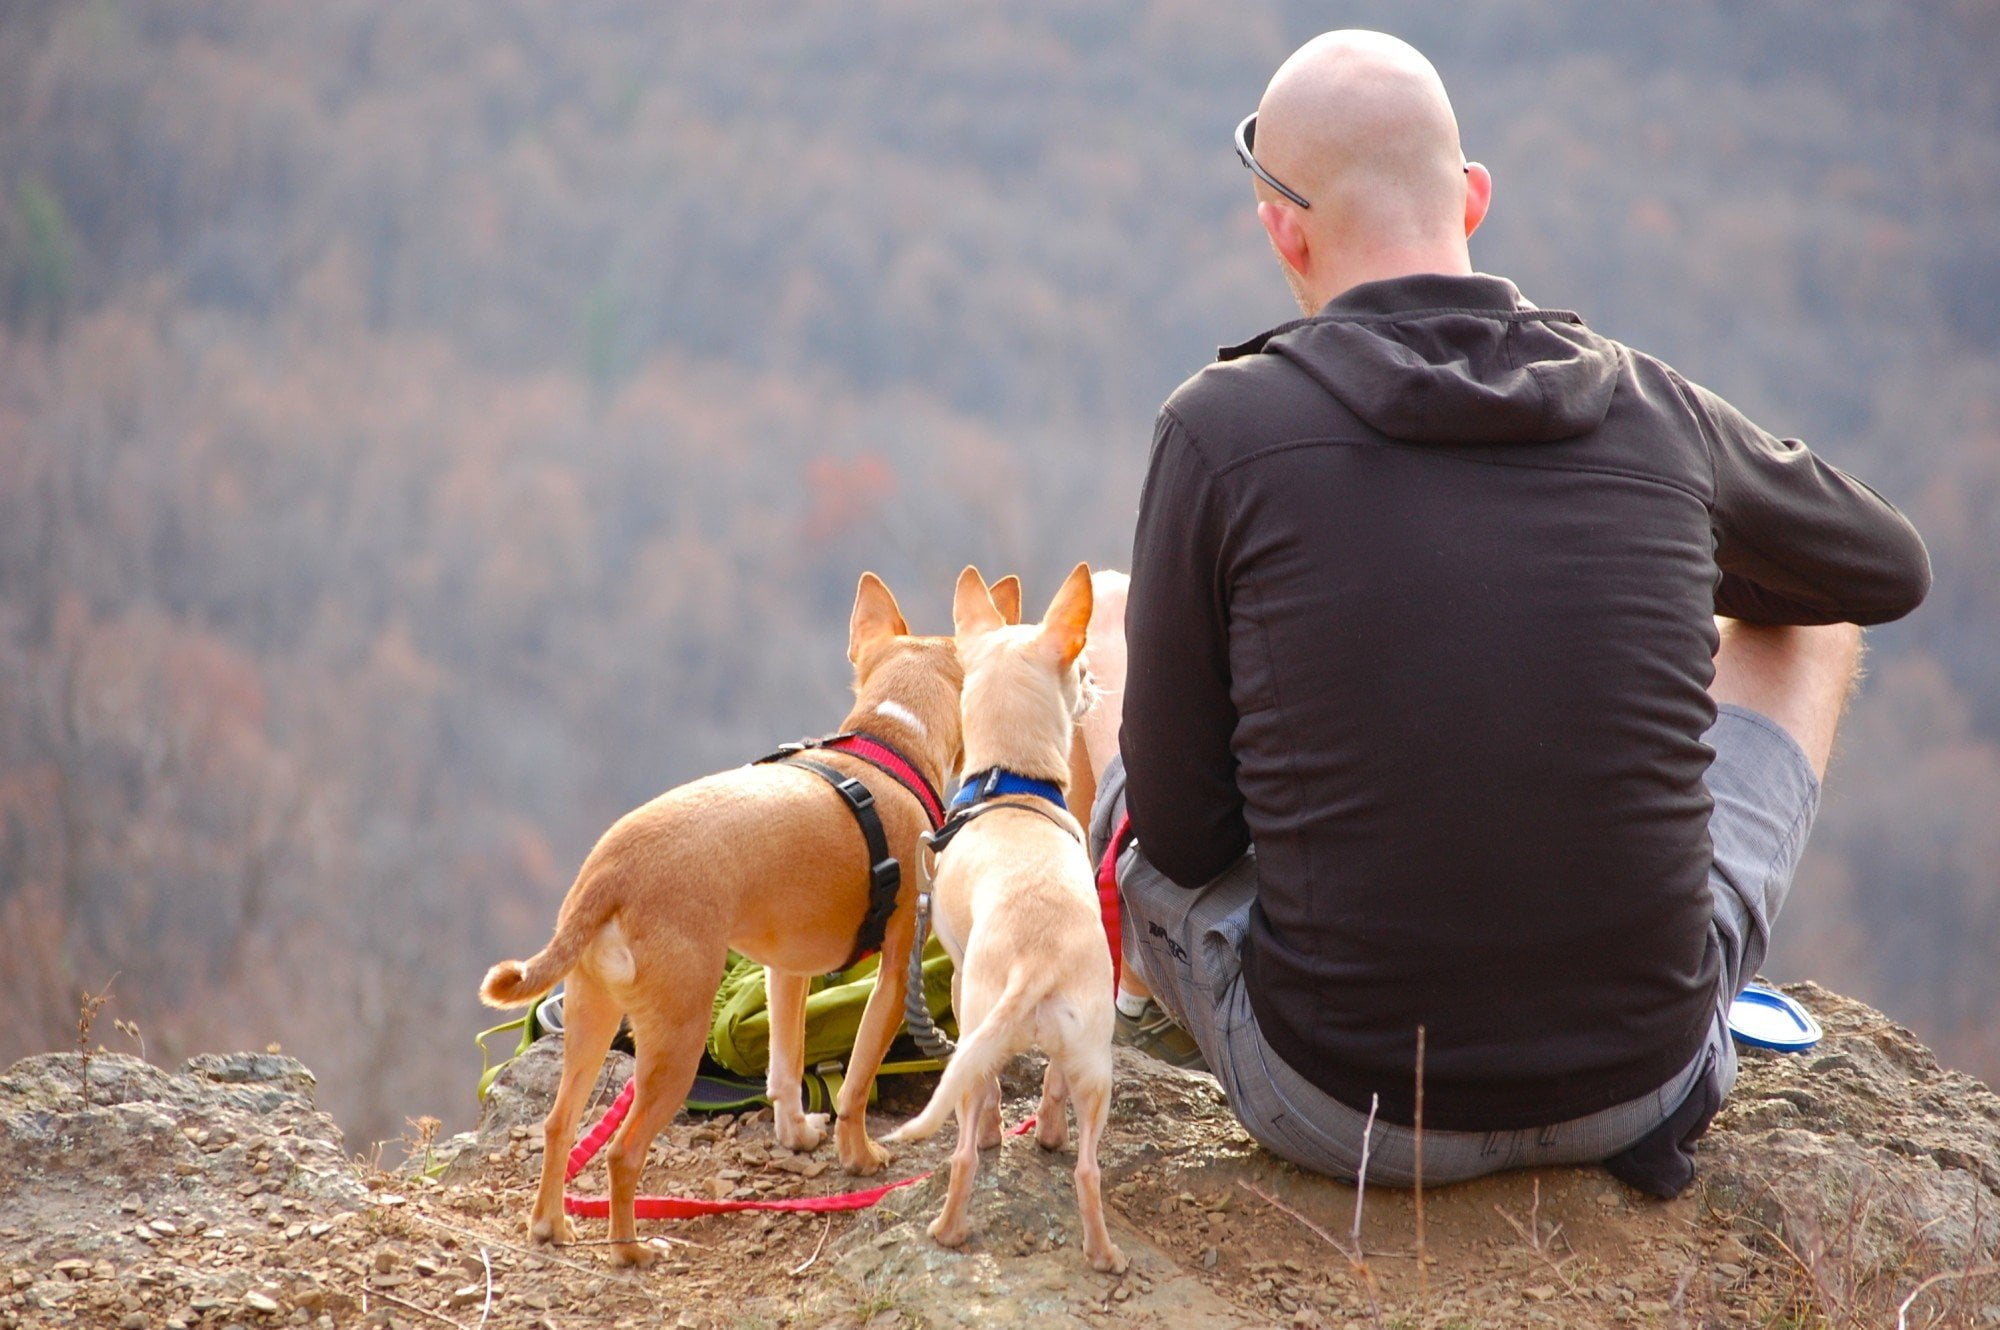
<point x="1838" y="1187"/>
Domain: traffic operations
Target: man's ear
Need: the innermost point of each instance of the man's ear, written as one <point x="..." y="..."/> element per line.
<point x="972" y="609"/>
<point x="1067" y="624"/>
<point x="1478" y="196"/>
<point x="1007" y="598"/>
<point x="875" y="616"/>
<point x="1288" y="235"/>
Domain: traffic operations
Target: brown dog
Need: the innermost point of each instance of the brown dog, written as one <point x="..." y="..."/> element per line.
<point x="1016" y="906"/>
<point x="768" y="860"/>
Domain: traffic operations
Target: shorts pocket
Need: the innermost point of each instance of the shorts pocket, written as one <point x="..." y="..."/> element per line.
<point x="1222" y="950"/>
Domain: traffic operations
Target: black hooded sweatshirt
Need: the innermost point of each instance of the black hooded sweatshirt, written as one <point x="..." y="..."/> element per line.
<point x="1422" y="598"/>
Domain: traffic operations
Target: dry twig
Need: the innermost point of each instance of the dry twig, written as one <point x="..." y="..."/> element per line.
<point x="1531" y="1234"/>
<point x="807" y="1264"/>
<point x="1357" y="1259"/>
<point x="1423" y="1267"/>
<point x="1941" y="1277"/>
<point x="407" y="1306"/>
<point x="541" y="1254"/>
<point x="486" y="1311"/>
<point x="1361" y="1175"/>
<point x="1353" y="1255"/>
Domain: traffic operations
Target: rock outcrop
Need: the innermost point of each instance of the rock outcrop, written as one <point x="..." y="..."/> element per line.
<point x="109" y="1163"/>
<point x="1834" y="1186"/>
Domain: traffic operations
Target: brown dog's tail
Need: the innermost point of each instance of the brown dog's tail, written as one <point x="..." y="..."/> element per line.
<point x="509" y="984"/>
<point x="517" y="983"/>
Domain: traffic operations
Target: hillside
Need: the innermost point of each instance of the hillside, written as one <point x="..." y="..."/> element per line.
<point x="1836" y="1187"/>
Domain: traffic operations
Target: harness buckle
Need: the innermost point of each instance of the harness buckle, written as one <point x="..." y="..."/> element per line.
<point x="886" y="876"/>
<point x="857" y="794"/>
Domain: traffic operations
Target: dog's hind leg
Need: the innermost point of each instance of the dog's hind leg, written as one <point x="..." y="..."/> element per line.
<point x="988" y="1120"/>
<point x="991" y="1131"/>
<point x="590" y="1022"/>
<point x="1051" y="1116"/>
<point x="880" y="1020"/>
<point x="950" y="1227"/>
<point x="1091" y="1086"/>
<point x="785" y="1000"/>
<point x="669" y="1034"/>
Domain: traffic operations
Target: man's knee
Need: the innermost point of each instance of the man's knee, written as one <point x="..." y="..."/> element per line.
<point x="1799" y="677"/>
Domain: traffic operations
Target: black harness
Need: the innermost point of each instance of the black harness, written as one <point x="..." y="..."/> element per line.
<point x="885" y="873"/>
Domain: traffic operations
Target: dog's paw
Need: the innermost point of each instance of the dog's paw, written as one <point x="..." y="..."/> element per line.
<point x="1107" y="1259"/>
<point x="949" y="1235"/>
<point x="864" y="1160"/>
<point x="802" y="1133"/>
<point x="561" y="1232"/>
<point x="638" y="1255"/>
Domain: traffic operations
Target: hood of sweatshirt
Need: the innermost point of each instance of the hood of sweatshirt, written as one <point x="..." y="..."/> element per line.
<point x="1432" y="358"/>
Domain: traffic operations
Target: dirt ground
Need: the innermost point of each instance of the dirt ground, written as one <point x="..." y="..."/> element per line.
<point x="1834" y="1186"/>
<point x="1219" y="1233"/>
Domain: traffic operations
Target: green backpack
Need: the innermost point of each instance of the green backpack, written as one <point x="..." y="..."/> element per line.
<point x="731" y="1076"/>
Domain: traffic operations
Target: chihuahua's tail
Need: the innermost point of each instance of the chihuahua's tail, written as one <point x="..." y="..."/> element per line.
<point x="980" y="1054"/>
<point x="517" y="983"/>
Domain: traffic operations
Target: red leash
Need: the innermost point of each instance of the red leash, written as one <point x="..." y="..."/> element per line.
<point x="1107" y="896"/>
<point x="688" y="1207"/>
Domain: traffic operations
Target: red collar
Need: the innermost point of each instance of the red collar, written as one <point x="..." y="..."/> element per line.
<point x="899" y="768"/>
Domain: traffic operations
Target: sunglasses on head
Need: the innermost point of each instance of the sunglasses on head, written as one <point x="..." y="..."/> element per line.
<point x="1246" y="136"/>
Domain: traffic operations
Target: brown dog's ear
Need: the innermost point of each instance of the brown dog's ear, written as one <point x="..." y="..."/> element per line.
<point x="1007" y="598"/>
<point x="875" y="616"/>
<point x="1067" y="623"/>
<point x="972" y="608"/>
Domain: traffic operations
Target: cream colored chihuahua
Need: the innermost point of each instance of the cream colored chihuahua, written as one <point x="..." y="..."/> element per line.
<point x="1015" y="904"/>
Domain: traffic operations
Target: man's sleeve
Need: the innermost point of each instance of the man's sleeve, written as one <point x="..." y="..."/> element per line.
<point x="1799" y="541"/>
<point x="1179" y="718"/>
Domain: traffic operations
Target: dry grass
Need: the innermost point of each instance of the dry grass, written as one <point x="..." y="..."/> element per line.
<point x="1860" y="1261"/>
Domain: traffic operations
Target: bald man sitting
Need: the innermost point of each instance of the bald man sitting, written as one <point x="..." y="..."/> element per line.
<point x="1431" y="723"/>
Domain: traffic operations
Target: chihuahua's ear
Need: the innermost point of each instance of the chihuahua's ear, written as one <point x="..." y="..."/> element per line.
<point x="1007" y="598"/>
<point x="1068" y="620"/>
<point x="875" y="616"/>
<point x="972" y="609"/>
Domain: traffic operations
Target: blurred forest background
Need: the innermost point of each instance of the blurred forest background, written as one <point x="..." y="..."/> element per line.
<point x="428" y="430"/>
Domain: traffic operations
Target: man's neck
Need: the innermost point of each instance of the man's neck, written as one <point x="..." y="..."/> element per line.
<point x="1379" y="266"/>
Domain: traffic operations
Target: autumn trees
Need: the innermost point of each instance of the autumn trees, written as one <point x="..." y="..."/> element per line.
<point x="426" y="431"/>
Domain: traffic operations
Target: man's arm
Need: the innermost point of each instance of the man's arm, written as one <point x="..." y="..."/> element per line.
<point x="1179" y="716"/>
<point x="1799" y="541"/>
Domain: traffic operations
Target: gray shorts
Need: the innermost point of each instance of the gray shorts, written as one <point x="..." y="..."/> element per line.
<point x="1188" y="945"/>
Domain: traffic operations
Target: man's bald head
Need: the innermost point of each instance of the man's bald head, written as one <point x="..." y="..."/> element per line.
<point x="1359" y="124"/>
